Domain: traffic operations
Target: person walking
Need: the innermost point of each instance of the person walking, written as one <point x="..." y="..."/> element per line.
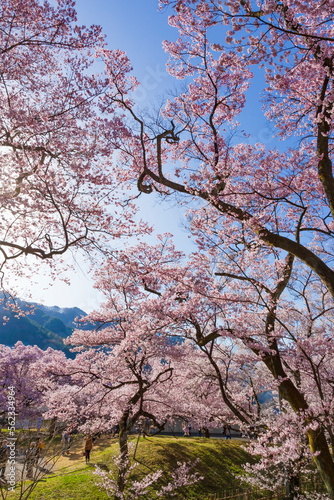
<point x="88" y="445"/>
<point x="66" y="441"/>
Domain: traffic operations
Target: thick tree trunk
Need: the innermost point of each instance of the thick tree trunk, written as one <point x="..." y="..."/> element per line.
<point x="316" y="438"/>
<point x="124" y="455"/>
<point x="323" y="459"/>
<point x="52" y="428"/>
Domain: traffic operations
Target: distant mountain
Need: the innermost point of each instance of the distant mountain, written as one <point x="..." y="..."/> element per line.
<point x="66" y="315"/>
<point x="45" y="327"/>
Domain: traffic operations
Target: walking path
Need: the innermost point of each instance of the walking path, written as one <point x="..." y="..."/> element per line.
<point x="53" y="463"/>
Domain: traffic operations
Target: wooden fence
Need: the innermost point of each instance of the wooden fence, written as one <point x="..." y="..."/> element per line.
<point x="249" y="495"/>
<point x="312" y="485"/>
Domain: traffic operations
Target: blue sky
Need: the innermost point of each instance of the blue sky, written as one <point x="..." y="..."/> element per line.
<point x="138" y="27"/>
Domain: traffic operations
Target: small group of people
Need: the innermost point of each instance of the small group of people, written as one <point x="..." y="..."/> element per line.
<point x="4" y="453"/>
<point x="89" y="439"/>
<point x="33" y="454"/>
<point x="203" y="432"/>
<point x="87" y="444"/>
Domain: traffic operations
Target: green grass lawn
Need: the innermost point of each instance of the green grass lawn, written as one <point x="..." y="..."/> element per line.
<point x="219" y="462"/>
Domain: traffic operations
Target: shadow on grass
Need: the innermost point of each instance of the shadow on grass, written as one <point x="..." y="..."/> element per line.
<point x="219" y="462"/>
<point x="75" y="456"/>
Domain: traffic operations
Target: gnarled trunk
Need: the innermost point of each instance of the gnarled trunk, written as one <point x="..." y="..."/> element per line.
<point x="124" y="455"/>
<point x="322" y="458"/>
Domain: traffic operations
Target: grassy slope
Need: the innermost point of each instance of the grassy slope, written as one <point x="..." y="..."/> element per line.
<point x="219" y="461"/>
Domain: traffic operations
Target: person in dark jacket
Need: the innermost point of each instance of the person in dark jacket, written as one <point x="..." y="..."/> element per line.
<point x="88" y="445"/>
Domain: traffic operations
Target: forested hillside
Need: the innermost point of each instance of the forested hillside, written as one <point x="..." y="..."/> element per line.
<point x="45" y="326"/>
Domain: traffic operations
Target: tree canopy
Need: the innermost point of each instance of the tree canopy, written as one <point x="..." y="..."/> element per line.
<point x="252" y="307"/>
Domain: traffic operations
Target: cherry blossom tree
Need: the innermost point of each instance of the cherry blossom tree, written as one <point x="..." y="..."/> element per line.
<point x="24" y="369"/>
<point x="225" y="309"/>
<point x="262" y="218"/>
<point x="122" y="372"/>
<point x="180" y="477"/>
<point x="55" y="140"/>
<point x="255" y="204"/>
<point x="25" y="381"/>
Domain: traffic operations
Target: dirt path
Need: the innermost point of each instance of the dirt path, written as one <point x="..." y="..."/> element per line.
<point x="75" y="459"/>
<point x="53" y="463"/>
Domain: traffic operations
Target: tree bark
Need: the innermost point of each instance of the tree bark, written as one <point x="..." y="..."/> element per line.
<point x="316" y="438"/>
<point x="124" y="455"/>
<point x="323" y="459"/>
